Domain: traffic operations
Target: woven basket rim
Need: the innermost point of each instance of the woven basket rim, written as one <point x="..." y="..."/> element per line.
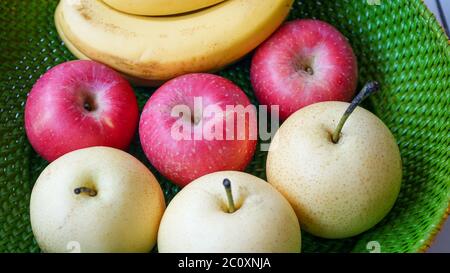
<point x="429" y="242"/>
<point x="425" y="246"/>
<point x="440" y="26"/>
<point x="433" y="234"/>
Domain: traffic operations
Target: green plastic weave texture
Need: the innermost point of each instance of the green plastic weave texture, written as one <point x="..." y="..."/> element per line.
<point x="399" y="43"/>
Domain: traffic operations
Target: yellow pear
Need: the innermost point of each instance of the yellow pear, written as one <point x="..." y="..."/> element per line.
<point x="247" y="215"/>
<point x="340" y="180"/>
<point x="96" y="200"/>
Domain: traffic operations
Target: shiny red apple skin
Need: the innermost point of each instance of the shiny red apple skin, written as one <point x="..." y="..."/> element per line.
<point x="280" y="74"/>
<point x="184" y="160"/>
<point x="80" y="104"/>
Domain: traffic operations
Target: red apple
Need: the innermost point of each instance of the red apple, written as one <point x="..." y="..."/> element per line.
<point x="80" y="104"/>
<point x="187" y="130"/>
<point x="304" y="62"/>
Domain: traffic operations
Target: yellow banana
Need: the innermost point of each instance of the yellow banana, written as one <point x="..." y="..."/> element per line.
<point x="78" y="54"/>
<point x="161" y="48"/>
<point x="159" y="7"/>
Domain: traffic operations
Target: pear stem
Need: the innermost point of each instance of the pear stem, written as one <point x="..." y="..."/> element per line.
<point x="227" y="185"/>
<point x="89" y="191"/>
<point x="368" y="89"/>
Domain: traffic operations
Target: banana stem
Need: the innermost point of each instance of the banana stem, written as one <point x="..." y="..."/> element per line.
<point x="368" y="89"/>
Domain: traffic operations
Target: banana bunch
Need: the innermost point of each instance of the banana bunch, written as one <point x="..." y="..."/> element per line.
<point x="160" y="7"/>
<point x="152" y="49"/>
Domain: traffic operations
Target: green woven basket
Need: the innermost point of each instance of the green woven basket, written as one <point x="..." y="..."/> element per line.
<point x="398" y="43"/>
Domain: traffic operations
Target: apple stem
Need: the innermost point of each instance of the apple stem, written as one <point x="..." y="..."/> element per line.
<point x="89" y="191"/>
<point x="89" y="103"/>
<point x="87" y="106"/>
<point x="227" y="185"/>
<point x="368" y="89"/>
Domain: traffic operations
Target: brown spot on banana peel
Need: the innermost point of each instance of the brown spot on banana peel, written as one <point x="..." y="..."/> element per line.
<point x="80" y="6"/>
<point x="191" y="30"/>
<point x="87" y="14"/>
<point x="84" y="12"/>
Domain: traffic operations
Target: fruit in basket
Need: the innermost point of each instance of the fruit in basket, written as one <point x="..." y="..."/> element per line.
<point x="304" y="62"/>
<point x="229" y="212"/>
<point x="160" y="48"/>
<point x="340" y="183"/>
<point x="160" y="7"/>
<point x="78" y="54"/>
<point x="101" y="199"/>
<point x="198" y="124"/>
<point x="80" y="104"/>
